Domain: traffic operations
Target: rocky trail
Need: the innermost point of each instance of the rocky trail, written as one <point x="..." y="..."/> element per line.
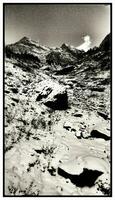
<point x="57" y="120"/>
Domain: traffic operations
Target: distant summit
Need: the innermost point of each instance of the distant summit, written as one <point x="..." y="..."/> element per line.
<point x="26" y="41"/>
<point x="62" y="56"/>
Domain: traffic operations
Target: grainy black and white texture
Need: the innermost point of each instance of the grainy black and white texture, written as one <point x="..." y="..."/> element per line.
<point x="57" y="110"/>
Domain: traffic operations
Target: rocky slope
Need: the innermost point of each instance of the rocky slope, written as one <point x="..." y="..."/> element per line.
<point x="57" y="120"/>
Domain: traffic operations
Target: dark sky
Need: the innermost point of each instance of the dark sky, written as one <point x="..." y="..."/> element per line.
<point x="54" y="24"/>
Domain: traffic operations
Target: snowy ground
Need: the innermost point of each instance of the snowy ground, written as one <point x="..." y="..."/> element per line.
<point x="56" y="152"/>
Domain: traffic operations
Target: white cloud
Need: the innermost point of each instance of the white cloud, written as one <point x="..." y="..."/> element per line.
<point x="86" y="44"/>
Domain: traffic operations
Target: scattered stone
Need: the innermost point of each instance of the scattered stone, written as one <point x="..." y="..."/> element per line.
<point x="7" y="91"/>
<point x="16" y="100"/>
<point x="77" y="115"/>
<point x="67" y="126"/>
<point x="104" y="115"/>
<point x="13" y="104"/>
<point x="65" y="70"/>
<point x="14" y="90"/>
<point x="78" y="134"/>
<point x="85" y="134"/>
<point x="25" y="90"/>
<point x="98" y="134"/>
<point x="52" y="171"/>
<point x="73" y="129"/>
<point x="97" y="89"/>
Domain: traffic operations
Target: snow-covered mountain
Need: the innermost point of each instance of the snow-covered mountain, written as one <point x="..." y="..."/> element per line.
<point x="57" y="119"/>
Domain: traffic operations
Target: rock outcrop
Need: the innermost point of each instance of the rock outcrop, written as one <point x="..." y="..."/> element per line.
<point x="83" y="171"/>
<point x="53" y="94"/>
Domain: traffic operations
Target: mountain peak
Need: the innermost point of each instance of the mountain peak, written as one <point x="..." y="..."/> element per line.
<point x="28" y="41"/>
<point x="106" y="43"/>
<point x="64" y="46"/>
<point x="24" y="39"/>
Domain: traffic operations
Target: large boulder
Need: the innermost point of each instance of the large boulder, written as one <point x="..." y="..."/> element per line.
<point x="76" y="166"/>
<point x="57" y="101"/>
<point x="83" y="171"/>
<point x="98" y="134"/>
<point x="53" y="95"/>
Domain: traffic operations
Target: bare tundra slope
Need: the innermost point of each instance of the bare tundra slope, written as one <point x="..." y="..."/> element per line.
<point x="57" y="120"/>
